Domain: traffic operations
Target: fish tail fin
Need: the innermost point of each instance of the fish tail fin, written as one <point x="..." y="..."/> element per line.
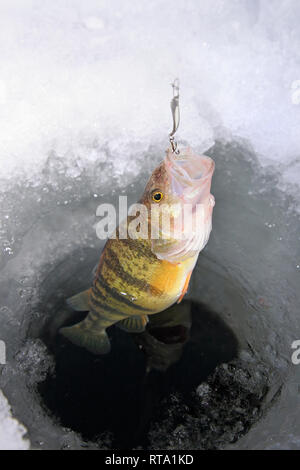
<point x="80" y="302"/>
<point x="94" y="340"/>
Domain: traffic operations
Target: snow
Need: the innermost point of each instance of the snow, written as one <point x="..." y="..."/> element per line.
<point x="84" y="106"/>
<point x="74" y="75"/>
<point x="12" y="433"/>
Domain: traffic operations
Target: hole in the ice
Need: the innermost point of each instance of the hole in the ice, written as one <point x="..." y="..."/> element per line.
<point x="114" y="394"/>
<point x="112" y="401"/>
<point x="91" y="394"/>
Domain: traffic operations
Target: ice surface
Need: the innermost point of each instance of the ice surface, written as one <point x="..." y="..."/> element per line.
<point x="84" y="107"/>
<point x="91" y="82"/>
<point x="12" y="433"/>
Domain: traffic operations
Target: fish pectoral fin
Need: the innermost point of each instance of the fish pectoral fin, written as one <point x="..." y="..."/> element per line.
<point x="94" y="340"/>
<point x="80" y="302"/>
<point x="134" y="324"/>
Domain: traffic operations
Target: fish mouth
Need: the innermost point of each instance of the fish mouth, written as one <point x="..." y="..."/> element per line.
<point x="190" y="174"/>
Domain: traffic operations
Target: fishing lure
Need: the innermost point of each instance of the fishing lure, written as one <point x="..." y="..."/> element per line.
<point x="138" y="277"/>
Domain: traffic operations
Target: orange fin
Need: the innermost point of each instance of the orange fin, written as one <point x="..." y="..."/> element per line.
<point x="185" y="287"/>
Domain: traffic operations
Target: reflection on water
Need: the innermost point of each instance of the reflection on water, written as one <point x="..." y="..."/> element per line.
<point x="121" y="392"/>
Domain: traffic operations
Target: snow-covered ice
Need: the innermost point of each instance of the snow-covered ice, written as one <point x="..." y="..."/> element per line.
<point x="84" y="107"/>
<point x="12" y="433"/>
<point x="82" y="79"/>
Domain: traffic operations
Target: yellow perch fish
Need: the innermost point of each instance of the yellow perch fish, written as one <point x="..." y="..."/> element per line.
<point x="137" y="277"/>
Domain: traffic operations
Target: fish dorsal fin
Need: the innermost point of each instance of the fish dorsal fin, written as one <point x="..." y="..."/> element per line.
<point x="134" y="324"/>
<point x="80" y="302"/>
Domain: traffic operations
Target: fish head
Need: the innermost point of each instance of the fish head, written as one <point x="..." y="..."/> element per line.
<point x="178" y="192"/>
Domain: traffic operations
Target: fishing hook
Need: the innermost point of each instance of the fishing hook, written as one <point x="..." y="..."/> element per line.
<point x="175" y="115"/>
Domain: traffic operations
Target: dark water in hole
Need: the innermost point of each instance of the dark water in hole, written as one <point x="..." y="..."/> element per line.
<point x="93" y="395"/>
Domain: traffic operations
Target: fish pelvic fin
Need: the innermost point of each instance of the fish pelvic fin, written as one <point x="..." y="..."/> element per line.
<point x="94" y="340"/>
<point x="185" y="287"/>
<point x="80" y="302"/>
<point x="134" y="324"/>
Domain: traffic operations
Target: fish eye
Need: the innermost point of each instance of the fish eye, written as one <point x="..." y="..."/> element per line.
<point x="157" y="196"/>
